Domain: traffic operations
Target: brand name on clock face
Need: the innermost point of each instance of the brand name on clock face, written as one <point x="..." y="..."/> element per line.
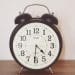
<point x="36" y="38"/>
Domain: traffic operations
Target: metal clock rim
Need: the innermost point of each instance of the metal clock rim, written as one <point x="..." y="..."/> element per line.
<point x="33" y="21"/>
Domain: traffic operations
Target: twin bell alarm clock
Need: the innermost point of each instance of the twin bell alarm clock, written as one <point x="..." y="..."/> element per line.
<point x="36" y="42"/>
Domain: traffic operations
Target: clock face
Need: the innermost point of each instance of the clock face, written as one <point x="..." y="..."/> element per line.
<point x="36" y="45"/>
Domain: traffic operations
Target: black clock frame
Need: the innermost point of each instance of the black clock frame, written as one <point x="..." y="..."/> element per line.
<point x="34" y="21"/>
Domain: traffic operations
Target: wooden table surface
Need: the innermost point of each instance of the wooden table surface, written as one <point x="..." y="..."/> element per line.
<point x="59" y="68"/>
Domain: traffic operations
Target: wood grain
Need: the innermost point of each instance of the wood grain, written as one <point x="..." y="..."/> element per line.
<point x="60" y="68"/>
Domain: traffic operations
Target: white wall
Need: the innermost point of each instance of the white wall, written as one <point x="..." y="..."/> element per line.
<point x="64" y="10"/>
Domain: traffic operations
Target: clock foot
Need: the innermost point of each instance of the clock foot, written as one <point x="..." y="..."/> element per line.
<point x="22" y="69"/>
<point x="51" y="70"/>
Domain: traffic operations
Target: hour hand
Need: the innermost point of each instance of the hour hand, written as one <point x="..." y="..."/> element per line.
<point x="40" y="49"/>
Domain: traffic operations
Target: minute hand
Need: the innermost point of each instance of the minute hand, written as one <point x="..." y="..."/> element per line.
<point x="40" y="49"/>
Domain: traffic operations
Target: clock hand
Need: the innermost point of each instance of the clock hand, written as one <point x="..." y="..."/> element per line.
<point x="35" y="57"/>
<point x="35" y="54"/>
<point x="40" y="49"/>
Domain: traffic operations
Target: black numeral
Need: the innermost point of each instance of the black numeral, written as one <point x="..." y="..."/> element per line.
<point x="19" y="45"/>
<point x="36" y="30"/>
<point x="23" y="38"/>
<point x="49" y="53"/>
<point x="51" y="45"/>
<point x="35" y="59"/>
<point x="28" y="57"/>
<point x="28" y="32"/>
<point x="43" y="58"/>
<point x="49" y="37"/>
<point x="22" y="53"/>
<point x="43" y="32"/>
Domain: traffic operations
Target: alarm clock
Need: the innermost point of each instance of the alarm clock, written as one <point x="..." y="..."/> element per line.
<point x="36" y="43"/>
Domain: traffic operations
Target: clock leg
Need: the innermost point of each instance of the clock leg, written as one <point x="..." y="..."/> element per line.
<point x="51" y="70"/>
<point x="22" y="69"/>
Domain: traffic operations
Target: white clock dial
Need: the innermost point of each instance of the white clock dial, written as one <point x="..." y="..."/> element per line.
<point x="36" y="45"/>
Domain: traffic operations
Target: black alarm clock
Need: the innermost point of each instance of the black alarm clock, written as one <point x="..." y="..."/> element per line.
<point x="36" y="43"/>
